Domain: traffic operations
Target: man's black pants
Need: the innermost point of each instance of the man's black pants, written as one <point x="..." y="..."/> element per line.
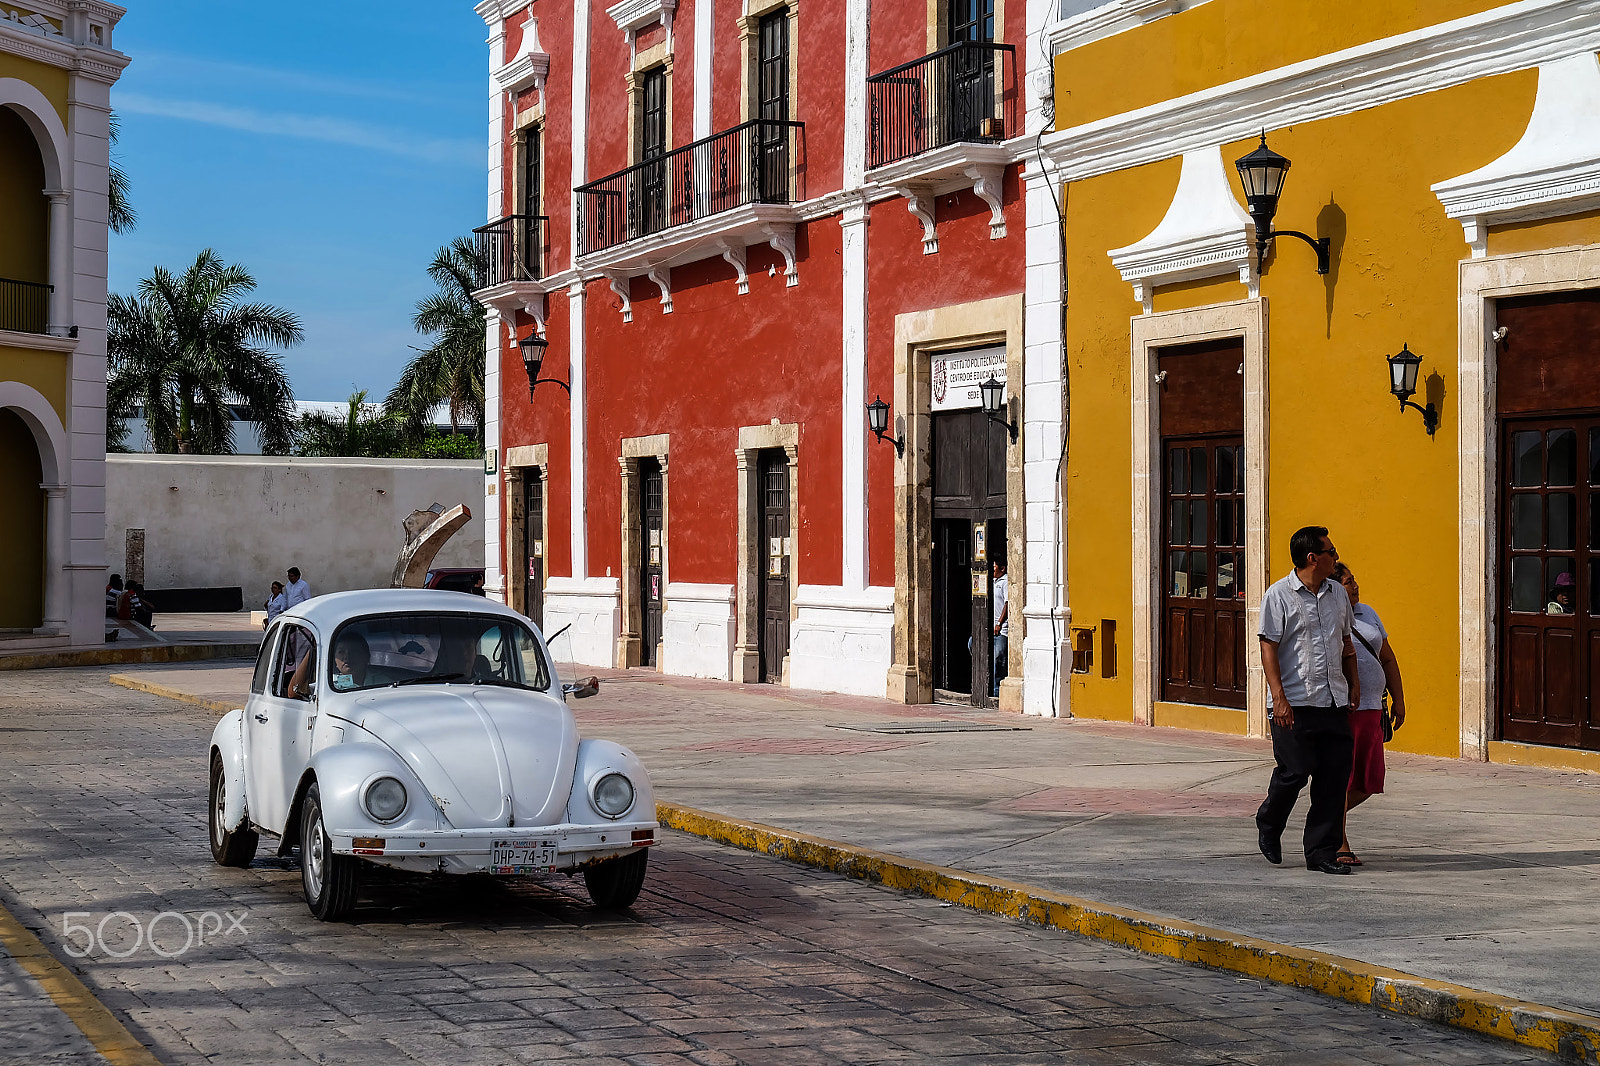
<point x="1317" y="747"/>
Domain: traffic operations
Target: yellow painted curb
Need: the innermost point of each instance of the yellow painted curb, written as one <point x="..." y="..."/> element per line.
<point x="1514" y="754"/>
<point x="108" y="1035"/>
<point x="1575" y="1037"/>
<point x="112" y="656"/>
<point x="140" y="685"/>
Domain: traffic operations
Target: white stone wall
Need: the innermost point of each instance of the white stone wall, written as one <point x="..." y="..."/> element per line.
<point x="221" y="520"/>
<point x="697" y="631"/>
<point x="587" y="608"/>
<point x="842" y="641"/>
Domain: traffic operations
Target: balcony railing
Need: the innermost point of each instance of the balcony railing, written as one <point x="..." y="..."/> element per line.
<point x="24" y="306"/>
<point x="512" y="249"/>
<point x="758" y="162"/>
<point x="964" y="92"/>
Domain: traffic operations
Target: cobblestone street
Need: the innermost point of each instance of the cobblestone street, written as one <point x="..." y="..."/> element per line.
<point x="727" y="957"/>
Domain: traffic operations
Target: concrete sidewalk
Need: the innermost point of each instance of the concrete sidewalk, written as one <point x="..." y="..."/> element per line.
<point x="1481" y="875"/>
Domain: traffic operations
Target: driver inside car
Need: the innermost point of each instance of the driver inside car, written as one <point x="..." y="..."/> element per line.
<point x="351" y="656"/>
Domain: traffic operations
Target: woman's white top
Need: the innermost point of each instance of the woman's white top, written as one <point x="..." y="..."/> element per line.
<point x="1368" y="624"/>
<point x="276" y="606"/>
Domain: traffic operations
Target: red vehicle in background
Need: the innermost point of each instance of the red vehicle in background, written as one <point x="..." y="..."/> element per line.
<point x="456" y="579"/>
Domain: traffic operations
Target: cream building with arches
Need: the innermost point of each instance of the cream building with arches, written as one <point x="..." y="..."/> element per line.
<point x="57" y="66"/>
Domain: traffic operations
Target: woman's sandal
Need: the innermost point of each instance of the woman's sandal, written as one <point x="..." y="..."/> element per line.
<point x="1347" y="858"/>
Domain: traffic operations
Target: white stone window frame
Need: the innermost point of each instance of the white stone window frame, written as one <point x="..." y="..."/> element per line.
<point x="631" y="634"/>
<point x="518" y="462"/>
<point x="1247" y="321"/>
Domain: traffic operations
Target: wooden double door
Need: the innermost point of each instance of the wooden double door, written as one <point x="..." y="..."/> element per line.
<point x="652" y="545"/>
<point x="533" y="546"/>
<point x="969" y="534"/>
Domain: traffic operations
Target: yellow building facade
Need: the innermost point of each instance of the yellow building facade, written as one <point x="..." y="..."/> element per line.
<point x="57" y="66"/>
<point x="1449" y="153"/>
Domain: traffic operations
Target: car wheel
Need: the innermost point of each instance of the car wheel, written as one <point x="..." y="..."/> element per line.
<point x="235" y="848"/>
<point x="615" y="884"/>
<point x="330" y="880"/>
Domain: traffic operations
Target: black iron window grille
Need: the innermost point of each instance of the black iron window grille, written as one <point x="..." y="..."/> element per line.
<point x="511" y="249"/>
<point x="24" y="306"/>
<point x="963" y="92"/>
<point x="758" y="162"/>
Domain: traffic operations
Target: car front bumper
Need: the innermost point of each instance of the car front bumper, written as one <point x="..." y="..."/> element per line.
<point x="468" y="851"/>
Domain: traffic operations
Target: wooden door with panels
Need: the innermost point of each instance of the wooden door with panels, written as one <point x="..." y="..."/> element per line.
<point x="1202" y="519"/>
<point x="652" y="196"/>
<point x="969" y="522"/>
<point x="652" y="546"/>
<point x="1548" y="511"/>
<point x="773" y="471"/>
<point x="772" y="104"/>
<point x="533" y="545"/>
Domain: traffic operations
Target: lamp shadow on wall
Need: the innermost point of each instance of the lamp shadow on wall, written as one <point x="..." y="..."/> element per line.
<point x="1331" y="224"/>
<point x="1433" y="388"/>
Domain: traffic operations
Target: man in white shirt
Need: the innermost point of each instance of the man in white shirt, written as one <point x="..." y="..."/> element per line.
<point x="1002" y="627"/>
<point x="296" y="591"/>
<point x="1312" y="683"/>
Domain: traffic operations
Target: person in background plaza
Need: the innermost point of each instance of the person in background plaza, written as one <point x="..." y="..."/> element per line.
<point x="477" y="586"/>
<point x="1561" y="597"/>
<point x="296" y="591"/>
<point x="1379" y="670"/>
<point x="1002" y="627"/>
<point x="130" y="608"/>
<point x="276" y="603"/>
<point x="113" y="590"/>
<point x="1312" y="683"/>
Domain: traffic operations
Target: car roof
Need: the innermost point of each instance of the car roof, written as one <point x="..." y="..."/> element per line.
<point x="326" y="612"/>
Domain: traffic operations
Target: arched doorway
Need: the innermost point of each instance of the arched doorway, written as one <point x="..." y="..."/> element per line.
<point x="24" y="254"/>
<point x="22" y="534"/>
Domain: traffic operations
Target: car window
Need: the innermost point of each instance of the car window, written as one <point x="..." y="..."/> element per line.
<point x="296" y="668"/>
<point x="444" y="647"/>
<point x="258" y="681"/>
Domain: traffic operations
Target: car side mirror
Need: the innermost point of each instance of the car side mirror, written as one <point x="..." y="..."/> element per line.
<point x="582" y="688"/>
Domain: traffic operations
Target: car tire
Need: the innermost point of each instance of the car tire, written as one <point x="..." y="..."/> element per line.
<point x="235" y="848"/>
<point x="615" y="883"/>
<point x="330" y="880"/>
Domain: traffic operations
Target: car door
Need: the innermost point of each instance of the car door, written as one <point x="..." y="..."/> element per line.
<point x="277" y="730"/>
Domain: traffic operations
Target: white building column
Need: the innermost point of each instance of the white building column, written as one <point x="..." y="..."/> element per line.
<point x="494" y="584"/>
<point x="576" y="294"/>
<point x="57" y="588"/>
<point x="60" y="312"/>
<point x="853" y="395"/>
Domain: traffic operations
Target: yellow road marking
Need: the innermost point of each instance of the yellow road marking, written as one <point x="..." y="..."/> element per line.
<point x="1575" y="1037"/>
<point x="140" y="685"/>
<point x="108" y="1035"/>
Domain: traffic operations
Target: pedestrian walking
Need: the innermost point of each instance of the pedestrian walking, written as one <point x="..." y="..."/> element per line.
<point x="296" y="591"/>
<point x="1309" y="660"/>
<point x="1379" y="670"/>
<point x="276" y="604"/>
<point x="1002" y="627"/>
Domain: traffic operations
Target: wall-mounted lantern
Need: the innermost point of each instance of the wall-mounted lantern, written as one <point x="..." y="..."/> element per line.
<point x="1403" y="384"/>
<point x="878" y="422"/>
<point x="994" y="404"/>
<point x="533" y="348"/>
<point x="1262" y="173"/>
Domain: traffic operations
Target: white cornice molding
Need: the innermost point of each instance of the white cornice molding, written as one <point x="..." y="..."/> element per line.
<point x="1553" y="170"/>
<point x="529" y="67"/>
<point x="102" y="64"/>
<point x="1107" y="20"/>
<point x="1205" y="234"/>
<point x="924" y="177"/>
<point x="39" y="342"/>
<point x="1514" y="37"/>
<point x="497" y="11"/>
<point x="631" y="16"/>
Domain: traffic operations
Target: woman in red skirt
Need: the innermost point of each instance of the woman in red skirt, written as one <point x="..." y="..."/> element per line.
<point x="1379" y="671"/>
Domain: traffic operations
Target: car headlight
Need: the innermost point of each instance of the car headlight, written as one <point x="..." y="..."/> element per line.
<point x="385" y="799"/>
<point x="613" y="795"/>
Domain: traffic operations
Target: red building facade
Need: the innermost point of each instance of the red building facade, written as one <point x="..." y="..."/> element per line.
<point x="718" y="230"/>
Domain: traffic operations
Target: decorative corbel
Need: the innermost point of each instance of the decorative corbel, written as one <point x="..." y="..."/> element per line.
<point x="986" y="183"/>
<point x="662" y="277"/>
<point x="782" y="239"/>
<point x="1476" y="235"/>
<point x="535" y="306"/>
<point x="1145" y="294"/>
<point x="734" y="253"/>
<point x="620" y="286"/>
<point x="920" y="203"/>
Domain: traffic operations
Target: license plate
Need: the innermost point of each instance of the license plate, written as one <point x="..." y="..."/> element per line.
<point x="522" y="856"/>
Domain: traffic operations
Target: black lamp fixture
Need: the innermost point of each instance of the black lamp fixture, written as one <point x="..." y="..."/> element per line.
<point x="994" y="403"/>
<point x="1403" y="384"/>
<point x="533" y="348"/>
<point x="1262" y="173"/>
<point x="878" y="422"/>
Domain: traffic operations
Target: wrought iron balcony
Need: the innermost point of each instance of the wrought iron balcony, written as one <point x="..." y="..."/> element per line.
<point x="963" y="92"/>
<point x="512" y="249"/>
<point x="759" y="162"/>
<point x="24" y="306"/>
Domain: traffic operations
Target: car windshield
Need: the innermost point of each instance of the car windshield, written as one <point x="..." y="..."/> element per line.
<point x="440" y="648"/>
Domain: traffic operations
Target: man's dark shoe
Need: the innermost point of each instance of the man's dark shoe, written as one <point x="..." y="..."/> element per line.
<point x="1269" y="845"/>
<point x="1328" y="866"/>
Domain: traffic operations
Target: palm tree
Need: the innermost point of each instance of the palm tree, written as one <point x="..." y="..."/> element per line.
<point x="450" y="371"/>
<point x="363" y="431"/>
<point x="185" y="349"/>
<point x="120" y="214"/>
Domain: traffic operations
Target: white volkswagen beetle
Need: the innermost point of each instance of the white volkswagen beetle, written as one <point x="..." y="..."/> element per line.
<point x="426" y="731"/>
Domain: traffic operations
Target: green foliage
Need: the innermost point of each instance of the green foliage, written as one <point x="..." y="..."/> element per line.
<point x="185" y="348"/>
<point x="450" y="370"/>
<point x="120" y="213"/>
<point x="439" y="445"/>
<point x="364" y="430"/>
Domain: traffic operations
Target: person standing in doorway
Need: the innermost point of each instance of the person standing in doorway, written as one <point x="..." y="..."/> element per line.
<point x="1002" y="627"/>
<point x="1312" y="684"/>
<point x="296" y="591"/>
<point x="1380" y="671"/>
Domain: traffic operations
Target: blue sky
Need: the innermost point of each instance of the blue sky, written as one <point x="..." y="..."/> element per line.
<point x="330" y="150"/>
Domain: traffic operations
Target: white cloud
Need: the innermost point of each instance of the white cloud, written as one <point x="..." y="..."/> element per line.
<point x="305" y="127"/>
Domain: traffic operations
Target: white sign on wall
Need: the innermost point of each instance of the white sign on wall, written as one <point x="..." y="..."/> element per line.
<point x="956" y="376"/>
